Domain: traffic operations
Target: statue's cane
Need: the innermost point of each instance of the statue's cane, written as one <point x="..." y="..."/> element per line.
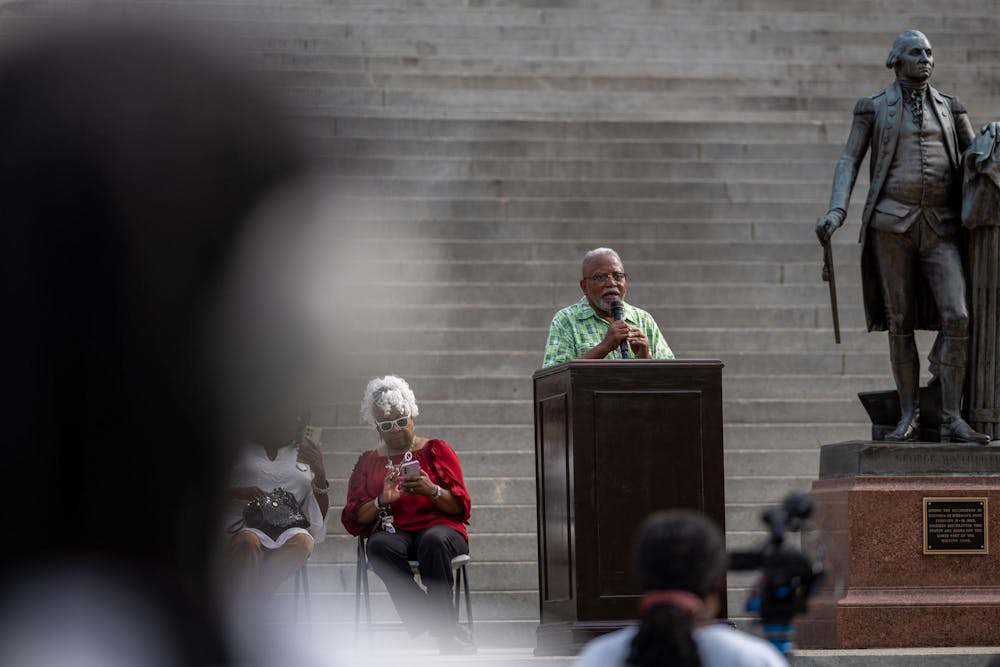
<point x="830" y="277"/>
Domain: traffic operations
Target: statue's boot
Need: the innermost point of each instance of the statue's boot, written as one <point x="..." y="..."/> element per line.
<point x="954" y="355"/>
<point x="906" y="372"/>
<point x="932" y="361"/>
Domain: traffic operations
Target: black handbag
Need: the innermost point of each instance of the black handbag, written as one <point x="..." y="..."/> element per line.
<point x="274" y="513"/>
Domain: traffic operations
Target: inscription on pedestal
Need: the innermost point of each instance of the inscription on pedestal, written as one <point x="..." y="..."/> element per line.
<point x="954" y="526"/>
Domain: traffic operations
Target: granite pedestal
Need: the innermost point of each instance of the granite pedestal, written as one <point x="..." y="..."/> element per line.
<point x="881" y="590"/>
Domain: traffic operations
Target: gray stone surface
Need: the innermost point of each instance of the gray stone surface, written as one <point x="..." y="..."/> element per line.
<point x="883" y="459"/>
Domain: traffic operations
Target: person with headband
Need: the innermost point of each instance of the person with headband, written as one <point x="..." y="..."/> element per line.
<point x="681" y="563"/>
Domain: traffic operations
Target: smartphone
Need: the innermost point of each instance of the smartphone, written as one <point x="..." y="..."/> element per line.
<point x="314" y="433"/>
<point x="410" y="469"/>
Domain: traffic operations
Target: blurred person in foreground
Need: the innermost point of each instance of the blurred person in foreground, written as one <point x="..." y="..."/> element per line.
<point x="681" y="561"/>
<point x="283" y="456"/>
<point x="130" y="165"/>
<point x="417" y="517"/>
<point x="588" y="329"/>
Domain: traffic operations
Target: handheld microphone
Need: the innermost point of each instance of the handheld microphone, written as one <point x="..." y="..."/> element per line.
<point x="616" y="312"/>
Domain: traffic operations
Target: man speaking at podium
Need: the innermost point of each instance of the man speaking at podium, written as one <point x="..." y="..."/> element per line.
<point x="592" y="328"/>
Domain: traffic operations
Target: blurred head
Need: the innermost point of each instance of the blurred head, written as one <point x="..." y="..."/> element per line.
<point x="681" y="551"/>
<point x="390" y="406"/>
<point x="279" y="424"/>
<point x="604" y="280"/>
<point x="681" y="563"/>
<point x="130" y="164"/>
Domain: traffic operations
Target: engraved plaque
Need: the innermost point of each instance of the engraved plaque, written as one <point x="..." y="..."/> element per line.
<point x="956" y="526"/>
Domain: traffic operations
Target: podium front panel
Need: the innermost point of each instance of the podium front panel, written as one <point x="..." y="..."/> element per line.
<point x="556" y="555"/>
<point x="638" y="445"/>
<point x="614" y="442"/>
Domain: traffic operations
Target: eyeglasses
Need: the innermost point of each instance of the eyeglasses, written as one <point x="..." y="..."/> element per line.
<point x="617" y="276"/>
<point x="387" y="426"/>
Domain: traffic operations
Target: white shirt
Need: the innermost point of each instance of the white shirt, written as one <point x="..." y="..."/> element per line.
<point x="253" y="468"/>
<point x="719" y="645"/>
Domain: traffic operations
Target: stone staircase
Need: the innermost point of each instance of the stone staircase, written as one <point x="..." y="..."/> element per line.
<point x="482" y="146"/>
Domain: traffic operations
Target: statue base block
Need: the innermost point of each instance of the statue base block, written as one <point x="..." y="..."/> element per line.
<point x="882" y="589"/>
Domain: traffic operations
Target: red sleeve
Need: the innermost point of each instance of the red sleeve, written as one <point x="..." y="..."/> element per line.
<point x="357" y="495"/>
<point x="448" y="473"/>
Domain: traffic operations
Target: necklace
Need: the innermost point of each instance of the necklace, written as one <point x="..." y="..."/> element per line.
<point x="407" y="456"/>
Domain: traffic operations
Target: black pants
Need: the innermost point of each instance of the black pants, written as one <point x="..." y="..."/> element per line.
<point x="433" y="548"/>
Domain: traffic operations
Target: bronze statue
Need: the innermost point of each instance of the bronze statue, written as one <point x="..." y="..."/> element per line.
<point x="981" y="217"/>
<point x="911" y="266"/>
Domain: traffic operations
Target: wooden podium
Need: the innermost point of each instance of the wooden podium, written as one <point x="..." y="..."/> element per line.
<point x="615" y="441"/>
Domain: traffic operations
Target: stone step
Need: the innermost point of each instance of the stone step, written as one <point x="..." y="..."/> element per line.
<point x="452" y="33"/>
<point x="522" y="519"/>
<point x="520" y="437"/>
<point x="464" y="439"/>
<point x="797" y="462"/>
<point x="703" y="316"/>
<point x="425" y="236"/>
<point x="339" y="547"/>
<point x="508" y="537"/>
<point x="557" y="296"/>
<point x="517" y="174"/>
<point x="532" y="272"/>
<point x="339" y="607"/>
<point x="494" y="576"/>
<point x="575" y="103"/>
<point x="842" y="66"/>
<point x="679" y="271"/>
<point x="606" y="132"/>
<point x="337" y="603"/>
<point x="805" y="386"/>
<point x="531" y="154"/>
<point x="499" y="519"/>
<point x="485" y="490"/>
<point x="603" y="191"/>
<point x="792" y="436"/>
<point x="847" y="251"/>
<point x="667" y="81"/>
<point x="513" y="388"/>
<point x="764" y="488"/>
<point x="494" y="208"/>
<point x="781" y="410"/>
<point x="483" y="577"/>
<point x="821" y="7"/>
<point x="369" y="22"/>
<point x="521" y="464"/>
<point x="528" y="339"/>
<point x="512" y="362"/>
<point x="339" y="463"/>
<point x="500" y="643"/>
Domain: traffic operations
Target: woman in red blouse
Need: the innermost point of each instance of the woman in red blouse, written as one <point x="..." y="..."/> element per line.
<point x="409" y="516"/>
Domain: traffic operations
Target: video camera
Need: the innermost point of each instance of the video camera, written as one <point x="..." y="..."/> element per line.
<point x="788" y="577"/>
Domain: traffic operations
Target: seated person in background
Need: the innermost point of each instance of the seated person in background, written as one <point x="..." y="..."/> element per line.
<point x="587" y="329"/>
<point x="681" y="562"/>
<point x="280" y="456"/>
<point x="407" y="517"/>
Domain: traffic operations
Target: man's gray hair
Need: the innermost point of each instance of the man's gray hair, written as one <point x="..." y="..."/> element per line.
<point x="899" y="45"/>
<point x="387" y="393"/>
<point x="597" y="252"/>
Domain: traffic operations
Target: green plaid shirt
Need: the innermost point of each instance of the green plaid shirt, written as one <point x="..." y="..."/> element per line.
<point x="578" y="328"/>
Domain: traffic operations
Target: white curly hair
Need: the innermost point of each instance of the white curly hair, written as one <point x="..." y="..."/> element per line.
<point x="599" y="252"/>
<point x="387" y="393"/>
